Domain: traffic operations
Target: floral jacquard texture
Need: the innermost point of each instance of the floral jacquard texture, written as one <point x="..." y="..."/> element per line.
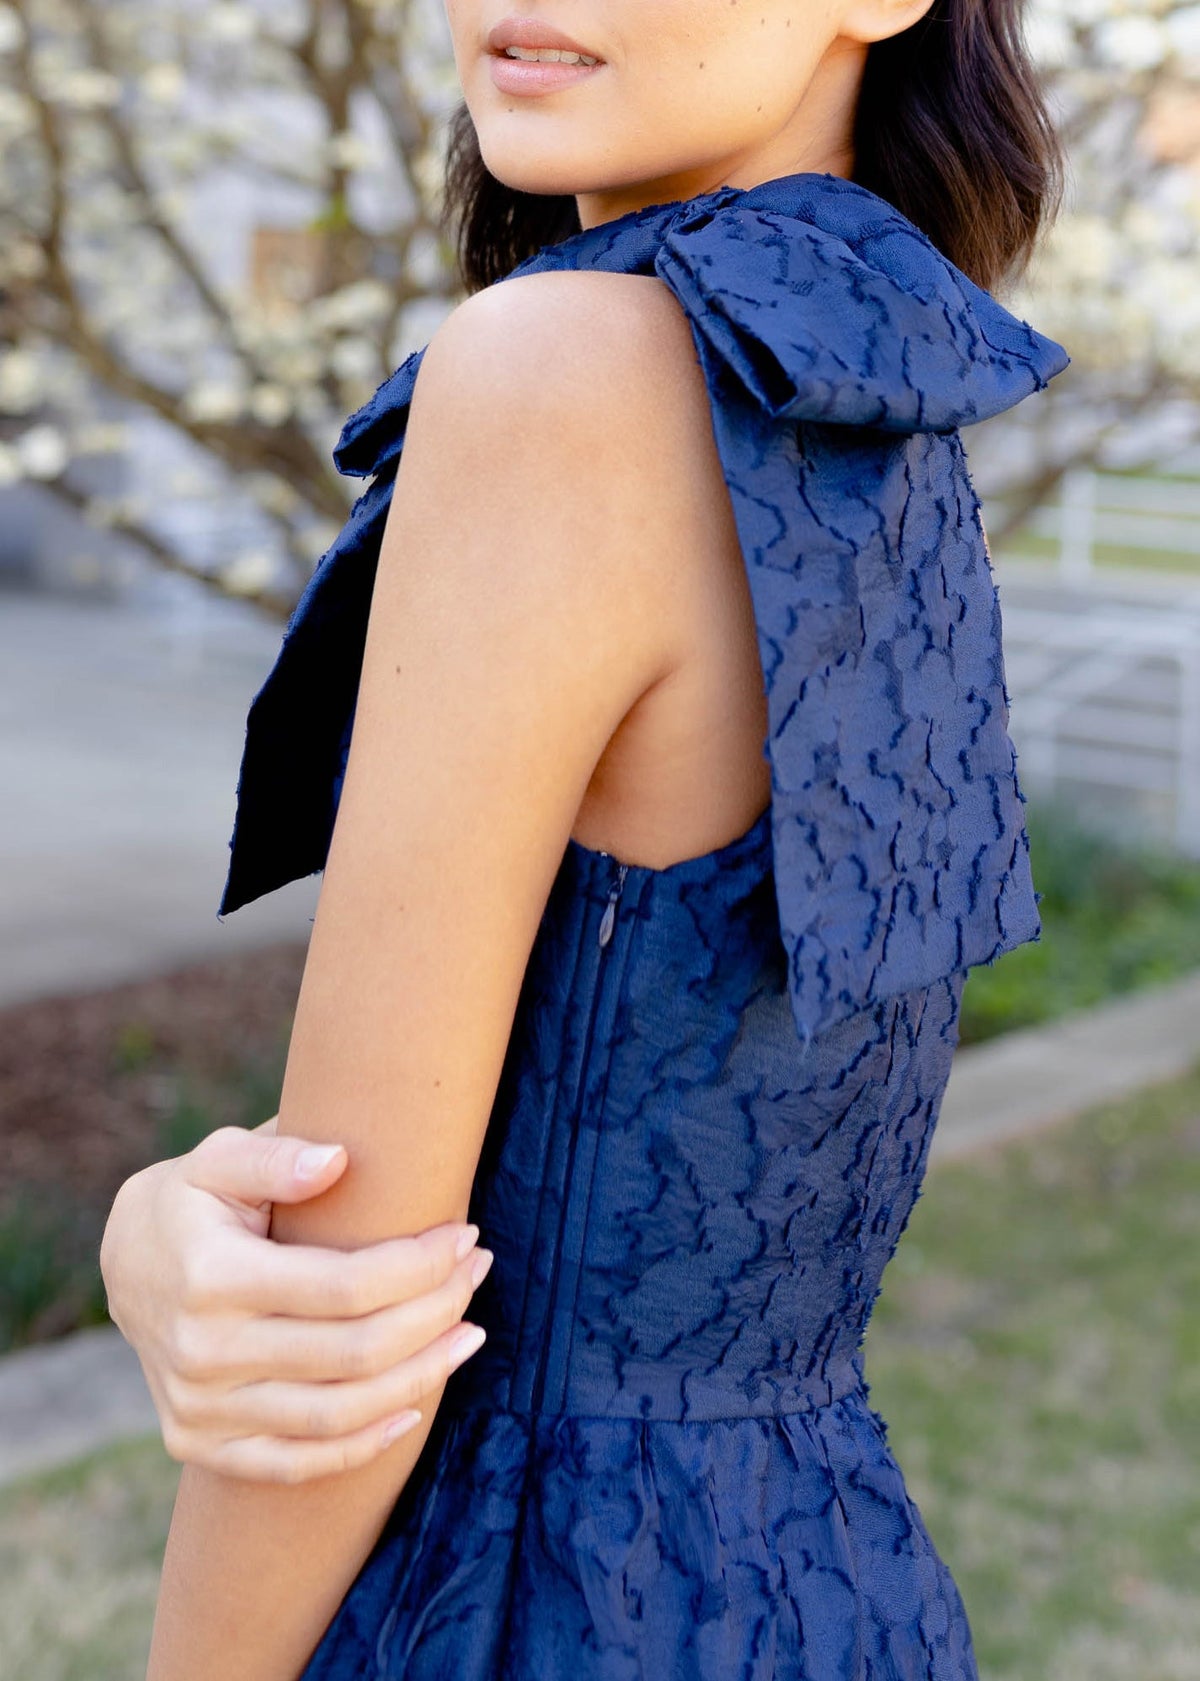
<point x="722" y="1080"/>
<point x="663" y="1463"/>
<point x="841" y="352"/>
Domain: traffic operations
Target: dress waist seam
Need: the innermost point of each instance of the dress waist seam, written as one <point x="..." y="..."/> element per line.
<point x="857" y="1391"/>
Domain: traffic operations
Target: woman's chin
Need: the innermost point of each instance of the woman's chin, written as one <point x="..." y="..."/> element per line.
<point x="543" y="145"/>
<point x="551" y="170"/>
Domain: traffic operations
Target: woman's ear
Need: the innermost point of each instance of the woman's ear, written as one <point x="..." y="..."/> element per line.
<point x="878" y="20"/>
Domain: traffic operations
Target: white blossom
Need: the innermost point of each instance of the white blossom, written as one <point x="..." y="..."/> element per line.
<point x="358" y="305"/>
<point x="318" y="539"/>
<point x="249" y="573"/>
<point x="213" y="402"/>
<point x="17" y="112"/>
<point x="1133" y="43"/>
<point x="87" y="89"/>
<point x="355" y="359"/>
<point x="42" y="452"/>
<point x="1183" y="32"/>
<point x="101" y="437"/>
<point x="228" y="21"/>
<point x="12" y="31"/>
<point x="1050" y="39"/>
<point x="20" y="381"/>
<point x="273" y="493"/>
<point x="270" y="404"/>
<point x="348" y="150"/>
<point x="163" y="82"/>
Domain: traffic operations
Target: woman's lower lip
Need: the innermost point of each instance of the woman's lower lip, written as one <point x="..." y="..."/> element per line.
<point x="528" y="75"/>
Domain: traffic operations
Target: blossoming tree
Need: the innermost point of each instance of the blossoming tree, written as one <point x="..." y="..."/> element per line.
<point x="218" y="229"/>
<point x="131" y="133"/>
<point x="1118" y="278"/>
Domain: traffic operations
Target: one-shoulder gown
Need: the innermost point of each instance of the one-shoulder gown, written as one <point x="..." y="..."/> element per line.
<point x="723" y="1076"/>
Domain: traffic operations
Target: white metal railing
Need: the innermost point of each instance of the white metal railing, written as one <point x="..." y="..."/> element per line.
<point x="1153" y="515"/>
<point x="1105" y="689"/>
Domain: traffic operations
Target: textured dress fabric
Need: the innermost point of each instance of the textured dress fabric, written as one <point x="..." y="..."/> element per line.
<point x="723" y="1077"/>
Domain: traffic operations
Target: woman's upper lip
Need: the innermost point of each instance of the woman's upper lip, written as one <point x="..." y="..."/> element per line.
<point x="532" y="33"/>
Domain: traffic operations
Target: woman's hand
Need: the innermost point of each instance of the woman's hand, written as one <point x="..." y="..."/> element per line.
<point x="270" y="1361"/>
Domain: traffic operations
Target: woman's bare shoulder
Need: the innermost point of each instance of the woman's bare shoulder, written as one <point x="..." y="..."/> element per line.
<point x="612" y="350"/>
<point x="586" y="387"/>
<point x="551" y="440"/>
<point x="585" y="402"/>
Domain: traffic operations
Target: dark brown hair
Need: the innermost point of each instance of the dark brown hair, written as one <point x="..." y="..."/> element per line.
<point x="952" y="128"/>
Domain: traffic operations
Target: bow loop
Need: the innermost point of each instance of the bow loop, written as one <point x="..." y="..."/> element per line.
<point x="830" y="306"/>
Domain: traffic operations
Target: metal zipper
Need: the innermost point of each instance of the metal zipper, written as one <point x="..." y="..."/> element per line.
<point x="607" y="922"/>
<point x="610" y="910"/>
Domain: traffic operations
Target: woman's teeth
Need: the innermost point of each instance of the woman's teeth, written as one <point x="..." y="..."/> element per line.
<point x="548" y="55"/>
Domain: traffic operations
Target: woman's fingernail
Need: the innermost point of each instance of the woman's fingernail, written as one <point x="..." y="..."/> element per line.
<point x="481" y="1266"/>
<point x="465" y="1343"/>
<point x="399" y="1425"/>
<point x="316" y="1157"/>
<point x="466" y="1238"/>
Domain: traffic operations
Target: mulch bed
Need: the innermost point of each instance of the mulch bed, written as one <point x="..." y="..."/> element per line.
<point x="85" y="1080"/>
<point x="94" y="1086"/>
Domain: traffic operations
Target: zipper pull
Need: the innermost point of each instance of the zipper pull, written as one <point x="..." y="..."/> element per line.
<point x="610" y="910"/>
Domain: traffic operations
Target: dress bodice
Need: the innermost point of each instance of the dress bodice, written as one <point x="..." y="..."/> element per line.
<point x="692" y="1212"/>
<point x="663" y="1463"/>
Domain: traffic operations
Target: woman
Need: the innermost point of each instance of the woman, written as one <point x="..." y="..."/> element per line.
<point x="661" y="713"/>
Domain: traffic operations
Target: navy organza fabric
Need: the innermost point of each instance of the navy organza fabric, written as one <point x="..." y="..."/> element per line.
<point x="711" y="1126"/>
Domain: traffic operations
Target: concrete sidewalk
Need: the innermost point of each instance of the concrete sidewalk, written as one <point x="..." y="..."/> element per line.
<point x="63" y="1399"/>
<point x="1029" y="1079"/>
<point x="69" y="1397"/>
<point x="121" y="733"/>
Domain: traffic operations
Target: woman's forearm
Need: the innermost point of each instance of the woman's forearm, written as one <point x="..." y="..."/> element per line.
<point x="254" y="1572"/>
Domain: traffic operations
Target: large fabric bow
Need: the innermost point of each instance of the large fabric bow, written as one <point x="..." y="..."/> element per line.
<point x="842" y="353"/>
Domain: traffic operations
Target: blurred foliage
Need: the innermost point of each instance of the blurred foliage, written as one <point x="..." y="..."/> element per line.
<point x="133" y="1047"/>
<point x="94" y="1533"/>
<point x="1114" y="917"/>
<point x="50" y="1279"/>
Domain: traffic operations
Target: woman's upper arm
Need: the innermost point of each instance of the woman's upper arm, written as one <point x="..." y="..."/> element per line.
<point x="528" y="581"/>
<point x="522" y="605"/>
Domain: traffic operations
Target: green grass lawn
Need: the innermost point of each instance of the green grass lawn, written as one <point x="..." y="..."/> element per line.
<point x="1115" y="917"/>
<point x="1028" y="546"/>
<point x="80" y="1554"/>
<point x="1036" y="1353"/>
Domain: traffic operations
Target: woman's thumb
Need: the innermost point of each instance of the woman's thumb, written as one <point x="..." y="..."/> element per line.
<point x="254" y="1166"/>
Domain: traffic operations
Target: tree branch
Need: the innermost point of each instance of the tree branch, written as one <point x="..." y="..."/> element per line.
<point x="270" y="602"/>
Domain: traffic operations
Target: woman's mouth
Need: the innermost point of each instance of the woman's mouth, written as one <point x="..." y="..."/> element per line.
<point x="529" y="55"/>
<point x="548" y="55"/>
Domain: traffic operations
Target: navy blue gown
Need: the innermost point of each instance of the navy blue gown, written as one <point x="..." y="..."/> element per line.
<point x="723" y="1076"/>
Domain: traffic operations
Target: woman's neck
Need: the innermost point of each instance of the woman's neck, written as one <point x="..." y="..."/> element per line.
<point x="817" y="138"/>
